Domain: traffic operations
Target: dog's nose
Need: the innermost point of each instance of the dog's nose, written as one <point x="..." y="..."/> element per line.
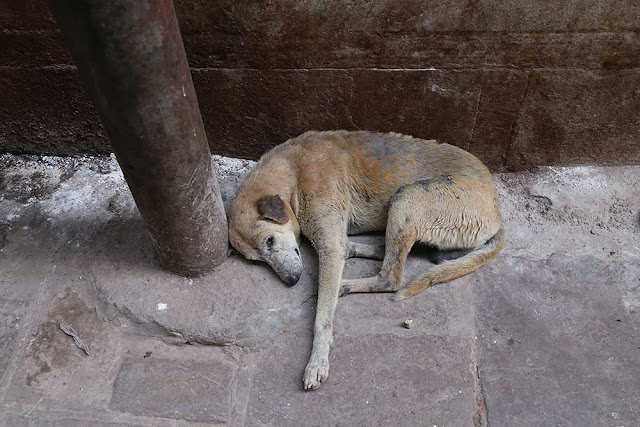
<point x="292" y="279"/>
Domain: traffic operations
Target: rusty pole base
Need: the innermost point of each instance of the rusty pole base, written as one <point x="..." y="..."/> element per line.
<point x="131" y="57"/>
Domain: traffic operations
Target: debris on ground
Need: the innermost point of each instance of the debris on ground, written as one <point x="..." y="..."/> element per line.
<point x="68" y="329"/>
<point x="408" y="323"/>
<point x="117" y="204"/>
<point x="50" y="160"/>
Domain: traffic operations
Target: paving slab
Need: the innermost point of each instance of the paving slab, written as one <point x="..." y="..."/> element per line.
<point x="54" y="372"/>
<point x="559" y="345"/>
<point x="194" y="391"/>
<point x="443" y="311"/>
<point x="374" y="380"/>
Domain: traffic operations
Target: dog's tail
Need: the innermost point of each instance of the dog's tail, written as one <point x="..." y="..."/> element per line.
<point x="450" y="270"/>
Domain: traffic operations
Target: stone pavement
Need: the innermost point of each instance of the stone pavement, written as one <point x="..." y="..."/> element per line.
<point x="547" y="334"/>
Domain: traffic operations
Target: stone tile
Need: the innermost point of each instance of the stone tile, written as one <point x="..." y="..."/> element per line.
<point x="374" y="380"/>
<point x="504" y="50"/>
<point x="578" y="117"/>
<point x="264" y="108"/>
<point x="55" y="370"/>
<point x="419" y="35"/>
<point x="247" y="112"/>
<point x="443" y="310"/>
<point x="291" y="18"/>
<point x="426" y="104"/>
<point x="496" y="116"/>
<point x="183" y="390"/>
<point x="557" y="343"/>
<point x="44" y="47"/>
<point x="26" y="15"/>
<point x="521" y="16"/>
<point x="414" y="49"/>
<point x="48" y="111"/>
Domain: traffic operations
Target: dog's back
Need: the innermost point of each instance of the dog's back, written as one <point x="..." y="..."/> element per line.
<point x="365" y="169"/>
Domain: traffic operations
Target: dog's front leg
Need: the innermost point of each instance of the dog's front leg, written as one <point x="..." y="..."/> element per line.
<point x="332" y="255"/>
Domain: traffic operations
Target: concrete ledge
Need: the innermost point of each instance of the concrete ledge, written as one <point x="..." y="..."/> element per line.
<point x="92" y="219"/>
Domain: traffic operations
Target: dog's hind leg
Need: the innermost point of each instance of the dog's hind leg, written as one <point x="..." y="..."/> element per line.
<point x="399" y="238"/>
<point x="364" y="250"/>
<point x="450" y="270"/>
<point x="454" y="215"/>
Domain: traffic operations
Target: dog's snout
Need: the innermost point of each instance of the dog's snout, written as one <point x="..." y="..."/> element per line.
<point x="292" y="279"/>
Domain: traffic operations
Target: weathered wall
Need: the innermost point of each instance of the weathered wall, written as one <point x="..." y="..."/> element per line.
<point x="519" y="83"/>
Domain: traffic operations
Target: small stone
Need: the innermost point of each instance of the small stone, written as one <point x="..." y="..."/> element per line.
<point x="408" y="323"/>
<point x="118" y="204"/>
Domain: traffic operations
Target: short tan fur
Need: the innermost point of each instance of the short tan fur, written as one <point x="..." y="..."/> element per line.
<point x="333" y="184"/>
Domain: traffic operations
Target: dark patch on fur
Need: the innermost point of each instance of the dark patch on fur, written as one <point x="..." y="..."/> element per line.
<point x="474" y="170"/>
<point x="272" y="207"/>
<point x="399" y="193"/>
<point x="425" y="183"/>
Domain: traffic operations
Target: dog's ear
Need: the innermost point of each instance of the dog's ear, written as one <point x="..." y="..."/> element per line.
<point x="272" y="207"/>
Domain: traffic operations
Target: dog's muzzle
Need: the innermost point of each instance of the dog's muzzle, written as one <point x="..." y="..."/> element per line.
<point x="288" y="267"/>
<point x="291" y="279"/>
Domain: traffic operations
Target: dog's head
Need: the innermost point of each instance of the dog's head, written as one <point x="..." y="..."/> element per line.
<point x="266" y="230"/>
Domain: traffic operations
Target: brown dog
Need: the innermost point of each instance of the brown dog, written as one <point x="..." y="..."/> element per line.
<point x="328" y="185"/>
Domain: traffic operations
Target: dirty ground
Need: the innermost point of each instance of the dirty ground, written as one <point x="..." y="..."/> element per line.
<point x="546" y="334"/>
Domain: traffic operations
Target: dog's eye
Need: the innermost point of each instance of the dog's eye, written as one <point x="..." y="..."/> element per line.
<point x="270" y="241"/>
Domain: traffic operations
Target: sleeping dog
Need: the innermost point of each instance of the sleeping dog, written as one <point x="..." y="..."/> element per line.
<point x="328" y="185"/>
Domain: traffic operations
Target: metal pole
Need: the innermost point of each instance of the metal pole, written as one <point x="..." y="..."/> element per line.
<point x="131" y="57"/>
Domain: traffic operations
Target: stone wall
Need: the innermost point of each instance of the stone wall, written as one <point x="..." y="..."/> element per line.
<point x="518" y="83"/>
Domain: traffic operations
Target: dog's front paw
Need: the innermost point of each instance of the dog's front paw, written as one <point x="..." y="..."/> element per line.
<point x="316" y="373"/>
